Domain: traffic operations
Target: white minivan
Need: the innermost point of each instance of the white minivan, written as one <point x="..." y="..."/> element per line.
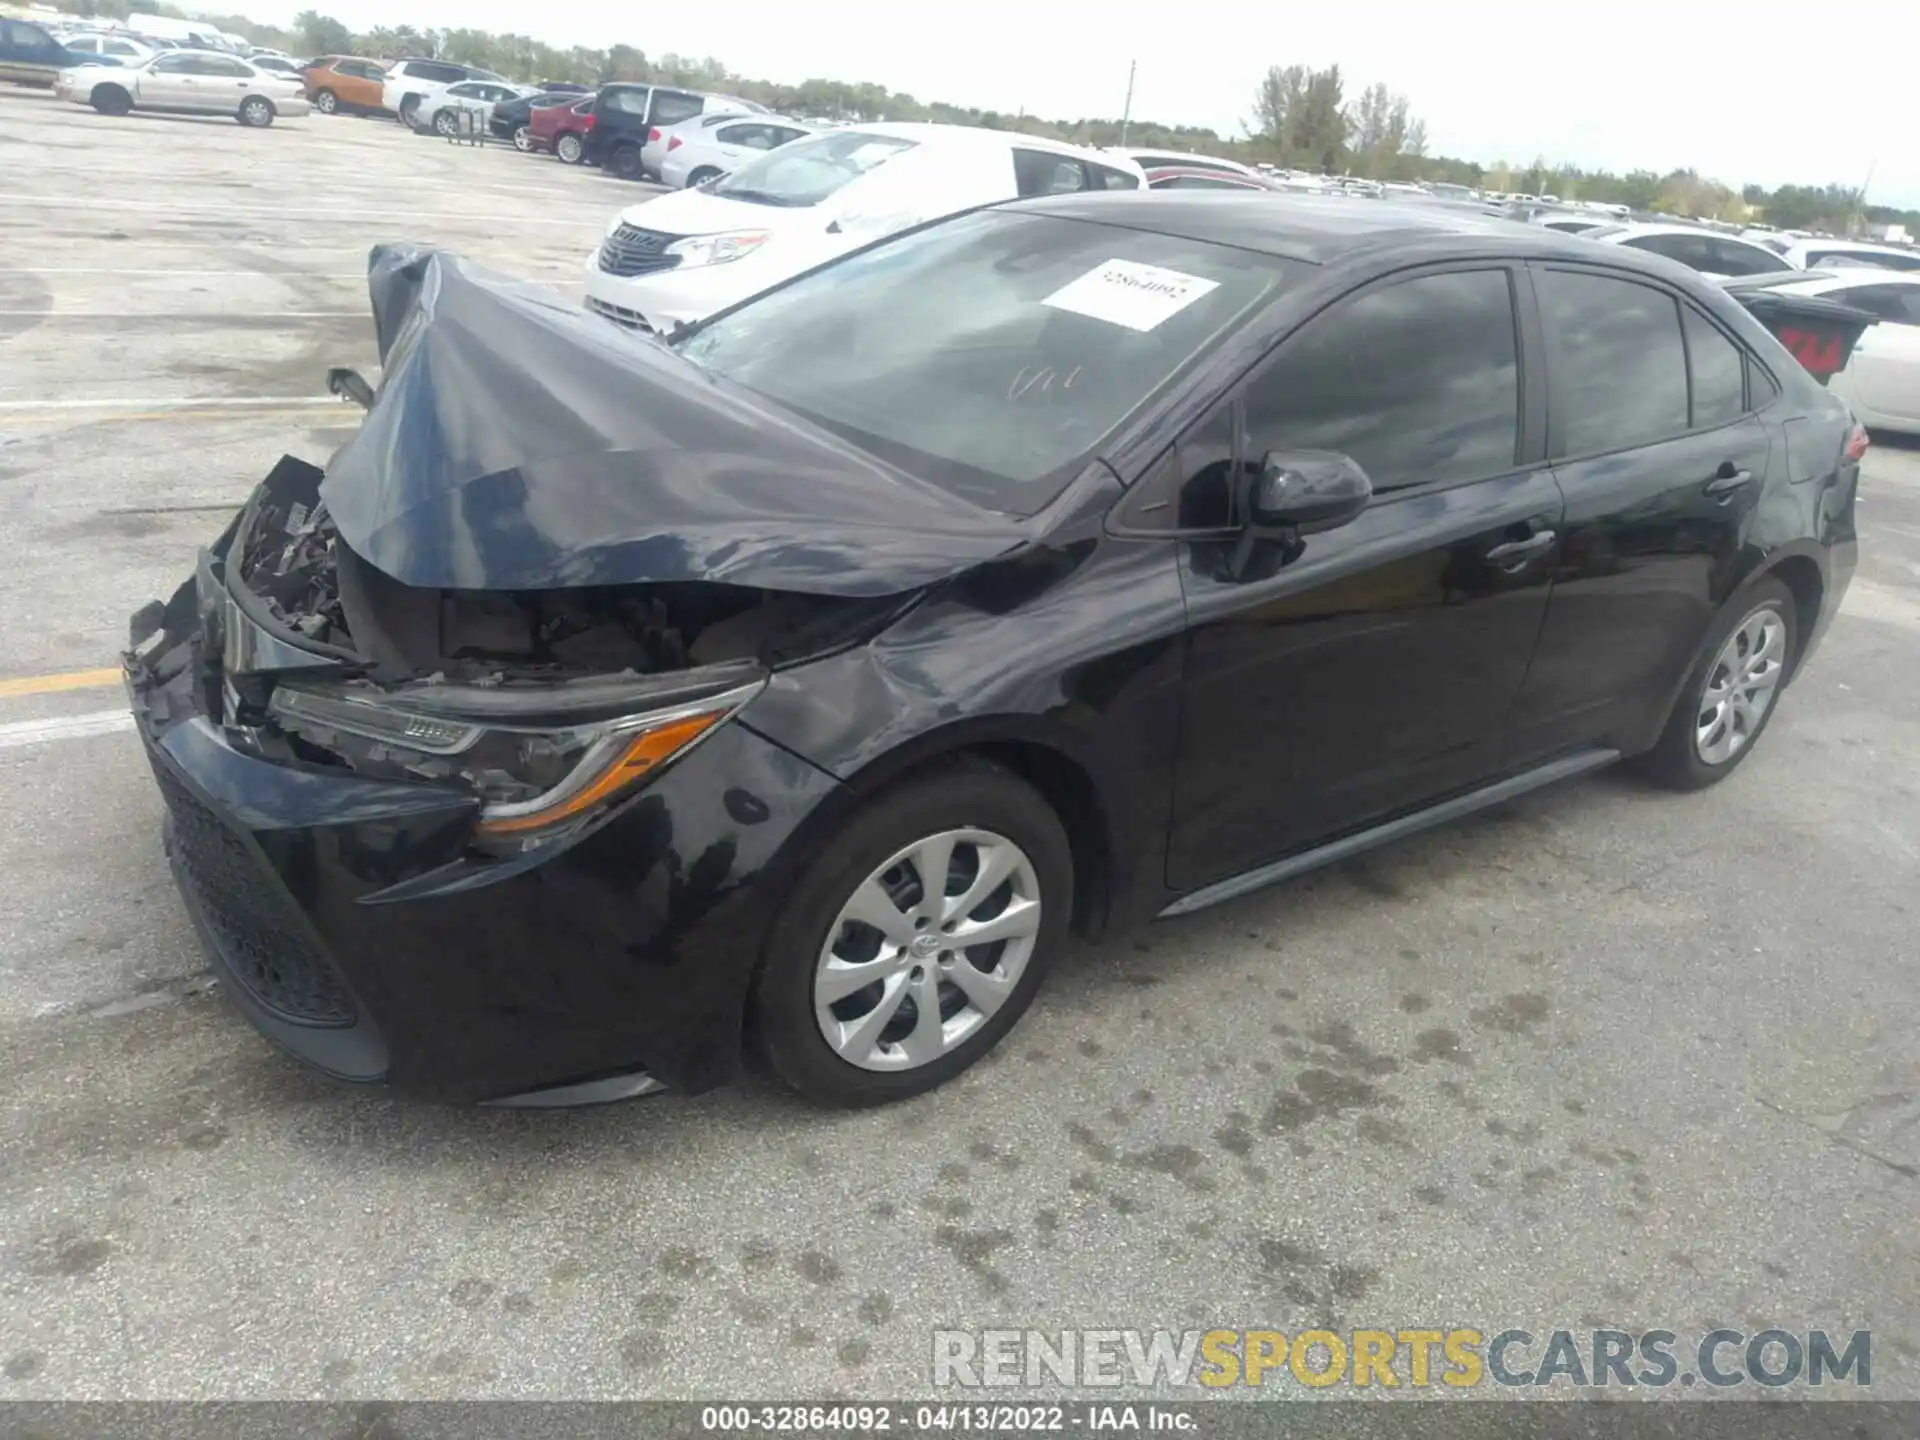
<point x="679" y="258"/>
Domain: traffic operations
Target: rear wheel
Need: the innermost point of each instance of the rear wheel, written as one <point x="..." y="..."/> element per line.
<point x="523" y="139"/>
<point x="326" y="102"/>
<point x="916" y="939"/>
<point x="625" y="162"/>
<point x="570" y="148"/>
<point x="702" y="176"/>
<point x="409" y="108"/>
<point x="111" y="100"/>
<point x="256" y="112"/>
<point x="1730" y="695"/>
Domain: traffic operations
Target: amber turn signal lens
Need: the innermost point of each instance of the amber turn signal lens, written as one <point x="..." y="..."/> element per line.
<point x="641" y="755"/>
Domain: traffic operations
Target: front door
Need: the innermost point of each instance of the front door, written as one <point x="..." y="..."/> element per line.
<point x="1373" y="670"/>
<point x="168" y="83"/>
<point x="1663" y="462"/>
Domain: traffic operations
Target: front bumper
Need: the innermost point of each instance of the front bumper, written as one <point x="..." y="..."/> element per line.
<point x="683" y="295"/>
<point x="352" y="925"/>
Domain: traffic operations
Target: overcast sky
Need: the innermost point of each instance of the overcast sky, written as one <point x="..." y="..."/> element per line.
<point x="1728" y="88"/>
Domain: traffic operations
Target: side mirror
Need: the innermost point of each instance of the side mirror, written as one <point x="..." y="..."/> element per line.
<point x="1304" y="491"/>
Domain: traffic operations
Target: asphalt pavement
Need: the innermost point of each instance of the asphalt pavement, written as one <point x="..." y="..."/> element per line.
<point x="1605" y="1057"/>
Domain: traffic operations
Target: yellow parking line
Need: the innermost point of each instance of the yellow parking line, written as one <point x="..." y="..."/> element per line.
<point x="53" y="684"/>
<point x="116" y="417"/>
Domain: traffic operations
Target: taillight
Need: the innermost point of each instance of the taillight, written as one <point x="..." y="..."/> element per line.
<point x="653" y="134"/>
<point x="1858" y="442"/>
<point x="673" y="143"/>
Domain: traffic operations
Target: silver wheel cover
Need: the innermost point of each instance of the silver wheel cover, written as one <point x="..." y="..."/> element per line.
<point x="1740" y="687"/>
<point x="926" y="949"/>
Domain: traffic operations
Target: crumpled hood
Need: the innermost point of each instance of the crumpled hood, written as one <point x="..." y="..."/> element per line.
<point x="519" y="443"/>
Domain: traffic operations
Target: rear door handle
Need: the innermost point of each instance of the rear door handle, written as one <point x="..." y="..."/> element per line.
<point x="1514" y="553"/>
<point x="1727" y="480"/>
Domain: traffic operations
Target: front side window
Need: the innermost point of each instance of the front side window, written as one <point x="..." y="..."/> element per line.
<point x="808" y="171"/>
<point x="29" y="36"/>
<point x="1718" y="371"/>
<point x="217" y="65"/>
<point x="1418" y="381"/>
<point x="994" y="353"/>
<point x="1615" y="361"/>
<point x="174" y="65"/>
<point x="1734" y="257"/>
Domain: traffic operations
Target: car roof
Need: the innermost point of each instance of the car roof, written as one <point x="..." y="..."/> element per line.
<point x="1315" y="229"/>
<point x="1848" y="247"/>
<point x="928" y="132"/>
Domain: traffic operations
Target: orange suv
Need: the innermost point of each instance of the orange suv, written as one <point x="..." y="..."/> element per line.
<point x="345" y="82"/>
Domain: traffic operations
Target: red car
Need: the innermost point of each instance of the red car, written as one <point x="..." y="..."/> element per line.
<point x="563" y="129"/>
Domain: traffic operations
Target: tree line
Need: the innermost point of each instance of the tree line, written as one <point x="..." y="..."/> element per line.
<point x="1301" y="118"/>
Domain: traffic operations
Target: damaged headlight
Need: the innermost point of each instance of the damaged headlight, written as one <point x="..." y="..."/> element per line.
<point x="717" y="249"/>
<point x="545" y="762"/>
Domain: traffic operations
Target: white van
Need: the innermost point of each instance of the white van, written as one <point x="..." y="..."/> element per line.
<point x="679" y="258"/>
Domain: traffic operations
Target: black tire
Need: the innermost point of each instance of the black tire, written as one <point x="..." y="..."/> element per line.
<point x="965" y="793"/>
<point x="326" y="102"/>
<point x="110" y="100"/>
<point x="702" y="176"/>
<point x="625" y="162"/>
<point x="255" y="112"/>
<point x="409" y="108"/>
<point x="1675" y="761"/>
<point x="523" y="139"/>
<point x="569" y="148"/>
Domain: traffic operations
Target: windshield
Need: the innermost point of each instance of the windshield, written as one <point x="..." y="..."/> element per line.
<point x="808" y="171"/>
<point x="991" y="354"/>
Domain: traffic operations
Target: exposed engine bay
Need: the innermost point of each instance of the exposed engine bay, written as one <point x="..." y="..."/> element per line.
<point x="289" y="553"/>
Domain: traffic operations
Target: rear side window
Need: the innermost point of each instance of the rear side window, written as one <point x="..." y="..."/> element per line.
<point x="1418" y="381"/>
<point x="670" y="107"/>
<point x="752" y="136"/>
<point x="1898" y="303"/>
<point x="31" y="36"/>
<point x="1615" y="361"/>
<point x="1718" y="370"/>
<point x="1201" y="182"/>
<point x="1040" y="172"/>
<point x="1733" y="257"/>
<point x="626" y="102"/>
<point x="1693" y="251"/>
<point x="1889" y="261"/>
<point x="1104" y="178"/>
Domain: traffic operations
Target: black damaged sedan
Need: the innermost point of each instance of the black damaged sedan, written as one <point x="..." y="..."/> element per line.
<point x="611" y="705"/>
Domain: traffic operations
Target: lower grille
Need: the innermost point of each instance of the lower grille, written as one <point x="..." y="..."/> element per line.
<point x="259" y="935"/>
<point x="629" y="251"/>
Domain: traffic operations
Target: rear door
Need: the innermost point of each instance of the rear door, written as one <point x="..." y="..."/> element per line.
<point x="1883" y="374"/>
<point x="29" y="54"/>
<point x="1373" y="670"/>
<point x="1662" y="460"/>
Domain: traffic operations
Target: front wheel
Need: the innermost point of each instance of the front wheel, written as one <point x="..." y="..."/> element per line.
<point x="444" y="123"/>
<point x="256" y="112"/>
<point x="523" y="139"/>
<point x="111" y="100"/>
<point x="916" y="939"/>
<point x="1730" y="695"/>
<point x="326" y="102"/>
<point x="571" y="149"/>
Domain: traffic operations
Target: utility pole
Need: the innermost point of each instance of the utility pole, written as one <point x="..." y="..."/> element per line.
<point x="1126" y="112"/>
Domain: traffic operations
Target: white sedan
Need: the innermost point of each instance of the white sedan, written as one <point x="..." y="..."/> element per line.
<point x="1695" y="246"/>
<point x="189" y="82"/>
<point x="707" y="147"/>
<point x="441" y="112"/>
<point x="1882" y="378"/>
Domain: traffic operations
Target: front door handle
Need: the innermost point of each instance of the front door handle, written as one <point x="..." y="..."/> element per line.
<point x="1513" y="554"/>
<point x="1728" y="479"/>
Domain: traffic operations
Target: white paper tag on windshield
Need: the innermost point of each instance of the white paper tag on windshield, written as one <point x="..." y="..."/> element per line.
<point x="1124" y="292"/>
